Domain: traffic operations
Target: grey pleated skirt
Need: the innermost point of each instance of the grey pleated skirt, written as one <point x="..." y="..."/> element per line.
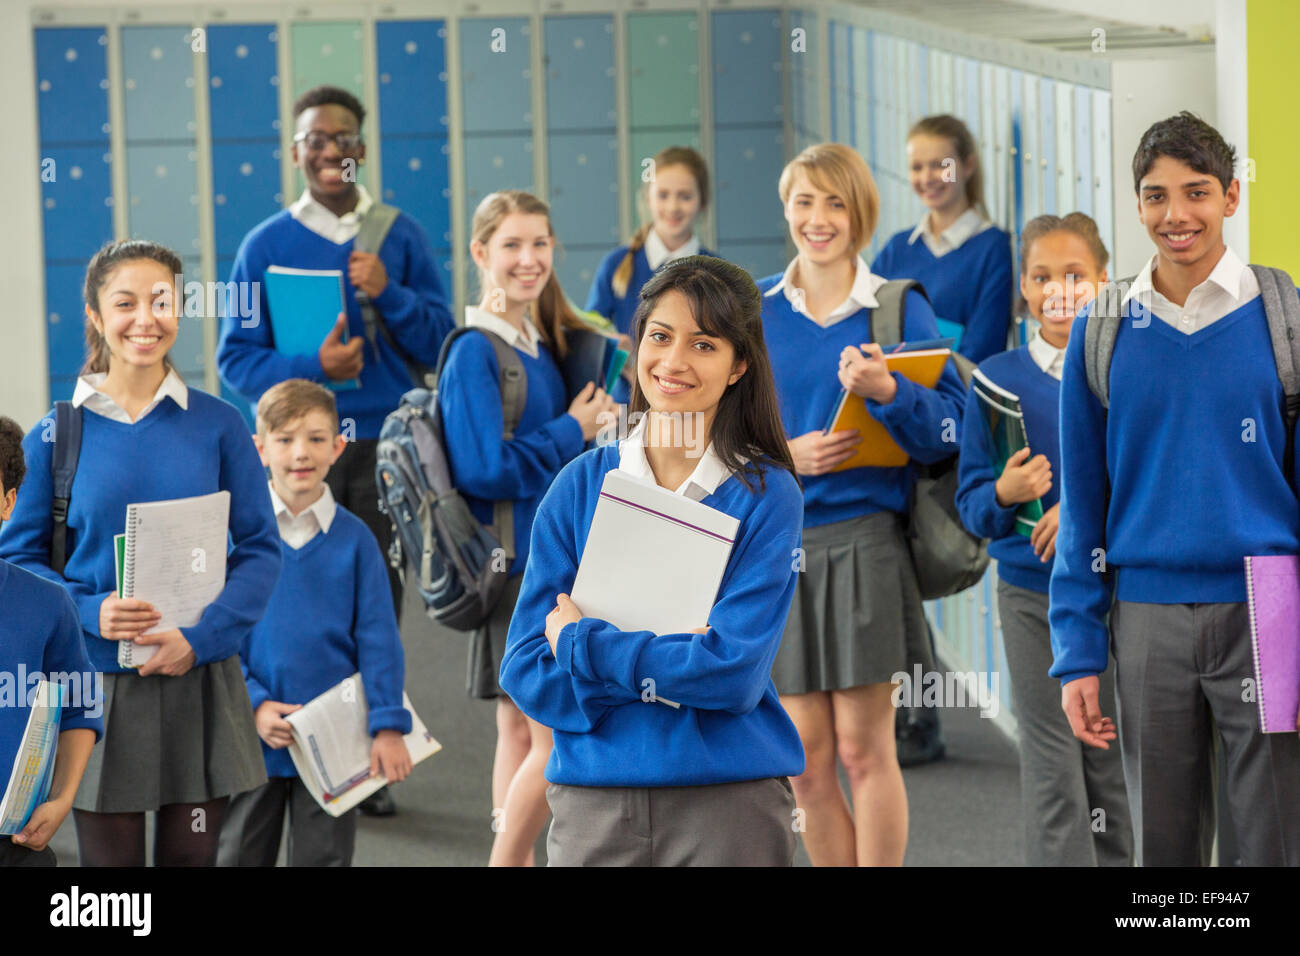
<point x="186" y="739"/>
<point x="857" y="616"/>
<point x="487" y="645"/>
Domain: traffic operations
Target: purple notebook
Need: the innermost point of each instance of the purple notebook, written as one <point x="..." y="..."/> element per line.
<point x="1273" y="595"/>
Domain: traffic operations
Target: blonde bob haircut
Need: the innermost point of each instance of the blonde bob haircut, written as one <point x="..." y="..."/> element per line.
<point x="841" y="171"/>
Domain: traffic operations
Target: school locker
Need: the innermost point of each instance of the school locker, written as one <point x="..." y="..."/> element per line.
<point x="863" y="141"/>
<point x="76" y="201"/>
<point x="71" y="84"/>
<point x="575" y="266"/>
<point x="326" y="53"/>
<point x="417" y="180"/>
<point x="243" y="82"/>
<point x="1021" y="143"/>
<point x="411" y="63"/>
<point x="164" y="200"/>
<point x="746" y="47"/>
<point x="188" y="353"/>
<point x="583" y="172"/>
<point x="1102" y="198"/>
<point x="158" y="83"/>
<point x="1046" y="164"/>
<point x="841" y="68"/>
<point x="760" y="258"/>
<point x="245" y="190"/>
<point x="493" y="163"/>
<point x="1065" y="201"/>
<point x="1083" y="197"/>
<point x="967" y="82"/>
<point x="990" y="142"/>
<point x="580" y="81"/>
<point x="1031" y="194"/>
<point x="65" y="318"/>
<point x="663" y="80"/>
<point x="943" y="94"/>
<point x="749" y="163"/>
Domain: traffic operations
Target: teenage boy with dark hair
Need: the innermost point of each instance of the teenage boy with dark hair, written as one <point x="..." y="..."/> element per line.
<point x="1163" y="494"/>
<point x="318" y="232"/>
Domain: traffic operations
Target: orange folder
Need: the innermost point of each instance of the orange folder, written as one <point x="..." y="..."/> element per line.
<point x="876" y="447"/>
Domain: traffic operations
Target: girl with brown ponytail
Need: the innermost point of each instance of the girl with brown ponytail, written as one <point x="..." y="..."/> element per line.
<point x="676" y="193"/>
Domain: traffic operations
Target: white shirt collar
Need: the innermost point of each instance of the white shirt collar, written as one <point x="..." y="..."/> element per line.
<point x="322" y="510"/>
<point x="861" y="296"/>
<point x="656" y="253"/>
<point x="968" y="224"/>
<point x="1229" y="285"/>
<point x="709" y="473"/>
<point x="87" y="393"/>
<point x="318" y="219"/>
<point x="1046" y="355"/>
<point x="526" y="341"/>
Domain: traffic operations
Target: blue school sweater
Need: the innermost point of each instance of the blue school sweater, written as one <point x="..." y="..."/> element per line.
<point x="170" y="453"/>
<point x="601" y="298"/>
<point x="1194" y="445"/>
<point x="327" y="619"/>
<point x="484" y="467"/>
<point x="805" y="364"/>
<point x="413" y="305"/>
<point x="40" y="637"/>
<point x="977" y="503"/>
<point x="971" y="285"/>
<point x="731" y="725"/>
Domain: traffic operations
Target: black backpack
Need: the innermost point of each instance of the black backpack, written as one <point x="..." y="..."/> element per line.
<point x="63" y="468"/>
<point x="946" y="556"/>
<point x="461" y="565"/>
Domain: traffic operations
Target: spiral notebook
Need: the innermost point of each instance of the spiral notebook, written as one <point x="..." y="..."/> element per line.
<point x="174" y="557"/>
<point x="1273" y="597"/>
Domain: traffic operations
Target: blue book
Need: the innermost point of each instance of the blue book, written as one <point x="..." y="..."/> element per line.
<point x="305" y="304"/>
<point x="33" y="769"/>
<point x="952" y="330"/>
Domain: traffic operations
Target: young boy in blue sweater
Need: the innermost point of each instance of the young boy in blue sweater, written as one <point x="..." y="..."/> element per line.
<point x="1063" y="783"/>
<point x="328" y="618"/>
<point x="319" y="232"/>
<point x="40" y="634"/>
<point x="1163" y="495"/>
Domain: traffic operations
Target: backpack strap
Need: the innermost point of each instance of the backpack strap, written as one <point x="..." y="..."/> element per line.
<point x="63" y="468"/>
<point x="886" y="319"/>
<point x="512" y="381"/>
<point x="375" y="226"/>
<point x="1282" y="310"/>
<point x="1099" y="337"/>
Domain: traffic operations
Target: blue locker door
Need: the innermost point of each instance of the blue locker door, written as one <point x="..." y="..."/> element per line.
<point x="71" y="84"/>
<point x="579" y="56"/>
<point x="749" y="163"/>
<point x="496" y="75"/>
<point x="158" y="77"/>
<point x="65" y="319"/>
<point x="243" y="82"/>
<point x="77" y="208"/>
<point x="746" y="66"/>
<point x="1047" y="144"/>
<point x="1083" y="149"/>
<point x="584" y="181"/>
<point x="496" y="162"/>
<point x="417" y="180"/>
<point x="411" y="59"/>
<point x="245" y="189"/>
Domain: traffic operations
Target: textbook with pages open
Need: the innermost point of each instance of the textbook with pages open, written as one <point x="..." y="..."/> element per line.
<point x="331" y="746"/>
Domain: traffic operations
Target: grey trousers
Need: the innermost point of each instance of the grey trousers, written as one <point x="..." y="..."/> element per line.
<point x="751" y="823"/>
<point x="1182" y="670"/>
<point x="250" y="832"/>
<point x="1073" y="803"/>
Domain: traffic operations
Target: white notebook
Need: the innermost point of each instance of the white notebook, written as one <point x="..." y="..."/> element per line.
<point x="653" y="560"/>
<point x="175" y="558"/>
<point x="331" y="745"/>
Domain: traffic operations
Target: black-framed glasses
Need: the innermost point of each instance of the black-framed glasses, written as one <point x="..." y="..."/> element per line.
<point x="316" y="140"/>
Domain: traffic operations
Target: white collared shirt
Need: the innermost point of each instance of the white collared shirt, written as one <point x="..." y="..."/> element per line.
<point x="1046" y="355"/>
<point x="656" y="253"/>
<point x="861" y="296"/>
<point x="87" y="393"/>
<point x="316" y="518"/>
<point x="337" y="229"/>
<point x="709" y="473"/>
<point x="526" y="341"/>
<point x="968" y="224"/>
<point x="1228" y="287"/>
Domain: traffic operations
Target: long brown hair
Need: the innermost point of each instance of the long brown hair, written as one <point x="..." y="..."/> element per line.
<point x="554" y="312"/>
<point x="956" y="132"/>
<point x="671" y="156"/>
<point x="725" y="302"/>
<point x="102" y="265"/>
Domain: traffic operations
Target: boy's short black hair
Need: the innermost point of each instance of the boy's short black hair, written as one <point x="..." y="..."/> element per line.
<point x="1188" y="138"/>
<point x="13" y="466"/>
<point x="330" y="95"/>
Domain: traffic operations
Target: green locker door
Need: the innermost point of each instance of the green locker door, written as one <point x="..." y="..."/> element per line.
<point x="329" y="53"/>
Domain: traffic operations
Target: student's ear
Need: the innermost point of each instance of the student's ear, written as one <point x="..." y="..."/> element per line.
<point x="478" y="252"/>
<point x="261" y="449"/>
<point x="7" y="503"/>
<point x="340" y="443"/>
<point x="1102" y="279"/>
<point x="94" y="319"/>
<point x="738" y="370"/>
<point x="1233" y="197"/>
<point x="1024" y="285"/>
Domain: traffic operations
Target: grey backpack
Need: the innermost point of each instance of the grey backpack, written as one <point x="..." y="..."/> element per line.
<point x="375" y="225"/>
<point x="1281" y="308"/>
<point x="947" y="557"/>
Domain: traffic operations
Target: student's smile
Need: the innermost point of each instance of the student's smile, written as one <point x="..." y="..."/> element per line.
<point x="671" y="386"/>
<point x="1180" y="240"/>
